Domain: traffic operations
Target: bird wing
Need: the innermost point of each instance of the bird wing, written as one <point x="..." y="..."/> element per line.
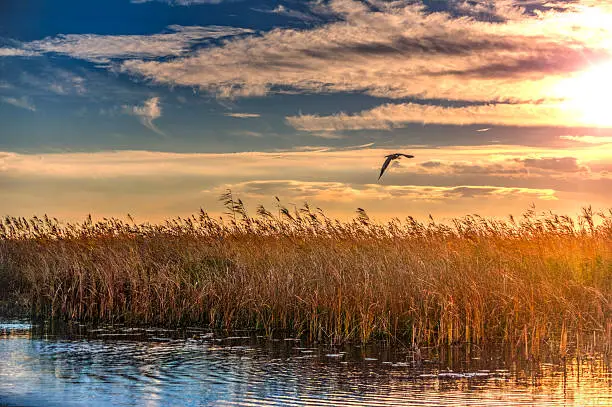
<point x="385" y="165"/>
<point x="407" y="155"/>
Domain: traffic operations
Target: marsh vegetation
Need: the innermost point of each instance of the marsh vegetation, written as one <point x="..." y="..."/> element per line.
<point x="541" y="280"/>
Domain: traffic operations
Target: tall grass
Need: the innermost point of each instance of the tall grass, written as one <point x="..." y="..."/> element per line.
<point x="538" y="280"/>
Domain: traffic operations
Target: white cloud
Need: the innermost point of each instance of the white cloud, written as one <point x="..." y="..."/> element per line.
<point x="147" y="112"/>
<point x="23" y="102"/>
<point x="16" y="52"/>
<point x="243" y="115"/>
<point x="104" y="47"/>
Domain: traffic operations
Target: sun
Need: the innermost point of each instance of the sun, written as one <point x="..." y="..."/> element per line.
<point x="588" y="95"/>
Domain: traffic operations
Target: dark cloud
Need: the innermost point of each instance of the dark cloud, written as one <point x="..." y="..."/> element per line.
<point x="348" y="191"/>
<point x="486" y="169"/>
<point x="562" y="164"/>
<point x="544" y="56"/>
<point x="510" y="167"/>
<point x="431" y="164"/>
<point x="406" y="46"/>
<point x="541" y="63"/>
<point x="490" y="11"/>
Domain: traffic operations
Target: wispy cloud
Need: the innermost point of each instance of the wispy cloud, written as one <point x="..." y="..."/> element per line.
<point x="557" y="164"/>
<point x="287" y="12"/>
<point x="22" y="102"/>
<point x="342" y="192"/>
<point x="398" y="50"/>
<point x="181" y="2"/>
<point x="513" y="167"/>
<point x="149" y="111"/>
<point x="96" y="47"/>
<point x="243" y="115"/>
<point x="329" y="135"/>
<point x="16" y="52"/>
<point x="390" y="116"/>
<point x="247" y="133"/>
<point x="58" y="81"/>
<point x="588" y="139"/>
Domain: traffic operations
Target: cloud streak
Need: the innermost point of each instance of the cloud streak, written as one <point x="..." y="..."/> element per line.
<point x="588" y="139"/>
<point x="243" y="115"/>
<point x="180" y="2"/>
<point x="22" y="102"/>
<point x="391" y="116"/>
<point x="557" y="164"/>
<point x="16" y="52"/>
<point x="512" y="167"/>
<point x="94" y="47"/>
<point x="286" y="12"/>
<point x="342" y="192"/>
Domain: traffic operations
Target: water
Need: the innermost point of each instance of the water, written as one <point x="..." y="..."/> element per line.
<point x="126" y="367"/>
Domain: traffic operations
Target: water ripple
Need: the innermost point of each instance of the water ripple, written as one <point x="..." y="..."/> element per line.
<point x="203" y="369"/>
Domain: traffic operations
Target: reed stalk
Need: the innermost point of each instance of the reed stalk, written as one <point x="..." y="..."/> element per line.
<point x="537" y="281"/>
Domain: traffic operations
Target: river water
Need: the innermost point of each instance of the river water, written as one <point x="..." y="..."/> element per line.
<point x="154" y="367"/>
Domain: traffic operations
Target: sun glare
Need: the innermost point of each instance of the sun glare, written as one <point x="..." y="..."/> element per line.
<point x="588" y="94"/>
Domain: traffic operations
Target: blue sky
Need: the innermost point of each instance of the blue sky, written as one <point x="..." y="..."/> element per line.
<point x="156" y="107"/>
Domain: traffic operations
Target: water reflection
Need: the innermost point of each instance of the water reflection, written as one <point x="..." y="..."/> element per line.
<point x="194" y="367"/>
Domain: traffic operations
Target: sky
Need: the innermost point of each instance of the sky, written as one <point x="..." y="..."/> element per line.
<point x="156" y="107"/>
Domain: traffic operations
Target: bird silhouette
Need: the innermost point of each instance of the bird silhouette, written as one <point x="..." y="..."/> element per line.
<point x="390" y="158"/>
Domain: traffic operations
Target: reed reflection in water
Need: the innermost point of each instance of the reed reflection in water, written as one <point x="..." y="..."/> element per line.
<point x="162" y="369"/>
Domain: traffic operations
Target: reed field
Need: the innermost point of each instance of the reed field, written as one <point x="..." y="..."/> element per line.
<point x="538" y="280"/>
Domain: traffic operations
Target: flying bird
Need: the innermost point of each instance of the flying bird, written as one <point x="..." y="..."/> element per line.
<point x="390" y="158"/>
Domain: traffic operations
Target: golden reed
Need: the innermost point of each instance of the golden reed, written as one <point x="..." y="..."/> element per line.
<point x="541" y="280"/>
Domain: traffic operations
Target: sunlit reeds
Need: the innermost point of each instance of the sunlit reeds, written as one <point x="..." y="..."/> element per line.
<point x="538" y="280"/>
